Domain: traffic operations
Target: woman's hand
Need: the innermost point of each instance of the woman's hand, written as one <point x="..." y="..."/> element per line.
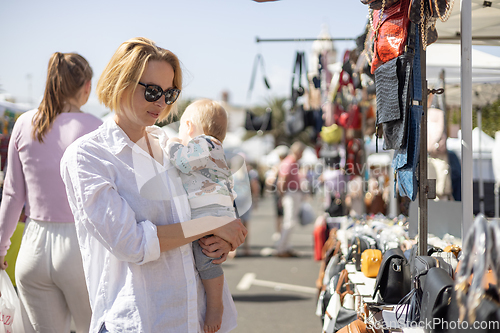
<point x="3" y="263"/>
<point x="233" y="232"/>
<point x="215" y="247"/>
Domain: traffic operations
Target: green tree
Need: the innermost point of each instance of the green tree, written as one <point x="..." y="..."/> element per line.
<point x="490" y="115"/>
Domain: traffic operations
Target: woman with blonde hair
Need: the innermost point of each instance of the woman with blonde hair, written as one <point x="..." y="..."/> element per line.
<point x="131" y="210"/>
<point x="49" y="270"/>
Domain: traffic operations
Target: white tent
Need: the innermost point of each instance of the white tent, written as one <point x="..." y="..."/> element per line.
<point x="14" y="107"/>
<point x="485" y="67"/>
<point x="485" y="74"/>
<point x="478" y="22"/>
<point x="485" y="17"/>
<point x="482" y="144"/>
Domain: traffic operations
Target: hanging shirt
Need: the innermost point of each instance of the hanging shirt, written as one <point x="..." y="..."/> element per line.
<point x="119" y="194"/>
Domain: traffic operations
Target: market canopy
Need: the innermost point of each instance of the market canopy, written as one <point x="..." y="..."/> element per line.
<point x="485" y="66"/>
<point x="485" y="23"/>
<point x="485" y="73"/>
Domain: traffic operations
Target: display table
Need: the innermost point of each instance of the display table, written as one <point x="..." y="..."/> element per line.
<point x="364" y="285"/>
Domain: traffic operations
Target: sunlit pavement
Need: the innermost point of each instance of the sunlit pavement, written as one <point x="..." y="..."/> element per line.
<point x="274" y="294"/>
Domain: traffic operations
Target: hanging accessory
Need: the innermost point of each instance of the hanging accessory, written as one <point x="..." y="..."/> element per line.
<point x="294" y="117"/>
<point x="299" y="66"/>
<point x="390" y="33"/>
<point x="426" y="13"/>
<point x="405" y="160"/>
<point x="253" y="122"/>
<point x="393" y="104"/>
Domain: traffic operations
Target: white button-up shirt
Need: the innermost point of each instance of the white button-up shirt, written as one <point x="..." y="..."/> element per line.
<point x="118" y="195"/>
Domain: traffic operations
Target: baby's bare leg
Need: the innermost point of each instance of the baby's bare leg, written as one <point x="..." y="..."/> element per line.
<point x="215" y="308"/>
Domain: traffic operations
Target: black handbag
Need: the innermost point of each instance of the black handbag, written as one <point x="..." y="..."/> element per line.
<point x="254" y="122"/>
<point x="356" y="247"/>
<point x="260" y="123"/>
<point x="424" y="264"/>
<point x="436" y="297"/>
<point x="295" y="118"/>
<point x="336" y="207"/>
<point x="409" y="311"/>
<point x="393" y="105"/>
<point x="394" y="278"/>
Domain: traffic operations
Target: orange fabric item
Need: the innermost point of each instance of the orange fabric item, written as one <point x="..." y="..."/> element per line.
<point x="370" y="262"/>
<point x="390" y="39"/>
<point x="319" y="234"/>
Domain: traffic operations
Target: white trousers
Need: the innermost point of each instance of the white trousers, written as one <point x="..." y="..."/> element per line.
<point x="291" y="202"/>
<point x="50" y="279"/>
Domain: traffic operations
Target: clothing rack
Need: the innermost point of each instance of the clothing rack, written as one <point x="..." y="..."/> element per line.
<point x="260" y="40"/>
<point x="426" y="187"/>
<point x="423" y="183"/>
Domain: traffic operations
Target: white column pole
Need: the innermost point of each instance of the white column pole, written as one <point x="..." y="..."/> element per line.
<point x="466" y="107"/>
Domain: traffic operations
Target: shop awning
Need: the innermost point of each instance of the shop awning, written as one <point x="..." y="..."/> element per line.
<point x="485" y="23"/>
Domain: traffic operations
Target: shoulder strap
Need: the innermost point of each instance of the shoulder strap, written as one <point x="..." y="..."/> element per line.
<point x="299" y="66"/>
<point x="258" y="60"/>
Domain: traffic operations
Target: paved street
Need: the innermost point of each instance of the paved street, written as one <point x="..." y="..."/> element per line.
<point x="274" y="294"/>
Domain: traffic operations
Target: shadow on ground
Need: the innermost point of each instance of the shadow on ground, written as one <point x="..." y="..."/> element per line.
<point x="267" y="298"/>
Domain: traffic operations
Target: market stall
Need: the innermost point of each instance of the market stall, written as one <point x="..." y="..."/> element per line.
<point x="422" y="284"/>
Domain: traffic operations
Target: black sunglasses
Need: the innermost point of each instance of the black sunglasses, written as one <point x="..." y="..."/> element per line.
<point x="154" y="92"/>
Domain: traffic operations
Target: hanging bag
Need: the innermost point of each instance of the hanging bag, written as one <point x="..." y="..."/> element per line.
<point x="390" y="30"/>
<point x="253" y="122"/>
<point x="436" y="296"/>
<point x="425" y="13"/>
<point x="393" y="278"/>
<point x="294" y="117"/>
<point x="405" y="160"/>
<point x="393" y="104"/>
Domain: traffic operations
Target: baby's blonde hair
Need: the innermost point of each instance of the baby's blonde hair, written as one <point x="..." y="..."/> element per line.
<point x="210" y="115"/>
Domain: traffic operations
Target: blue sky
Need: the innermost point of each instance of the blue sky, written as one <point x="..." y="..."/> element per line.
<point x="214" y="39"/>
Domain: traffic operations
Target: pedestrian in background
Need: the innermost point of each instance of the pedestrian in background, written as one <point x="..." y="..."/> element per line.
<point x="271" y="184"/>
<point x="247" y="189"/>
<point x="49" y="271"/>
<point x="289" y="185"/>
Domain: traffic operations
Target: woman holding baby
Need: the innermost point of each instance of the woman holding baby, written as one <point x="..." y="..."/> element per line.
<point x="131" y="211"/>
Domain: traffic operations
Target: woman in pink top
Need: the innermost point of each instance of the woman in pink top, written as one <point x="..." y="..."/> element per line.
<point x="49" y="270"/>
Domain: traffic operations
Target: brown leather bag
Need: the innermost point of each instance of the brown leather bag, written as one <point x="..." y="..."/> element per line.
<point x="357" y="326"/>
